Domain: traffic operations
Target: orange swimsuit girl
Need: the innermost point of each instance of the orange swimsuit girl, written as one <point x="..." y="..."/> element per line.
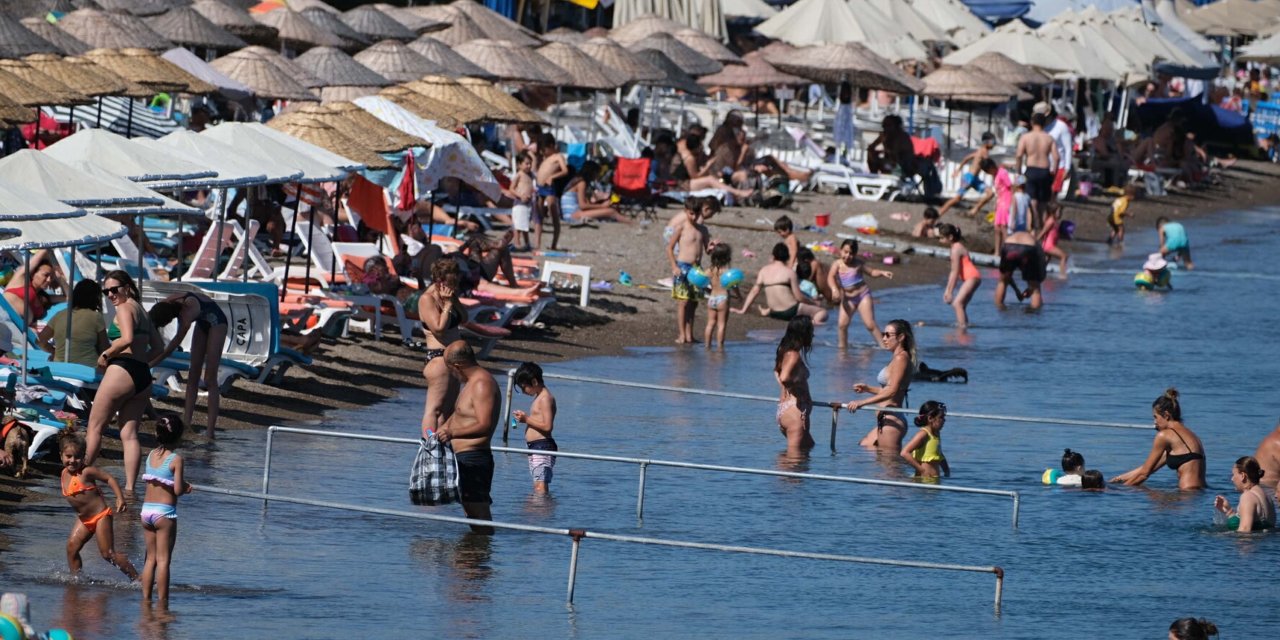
<point x="76" y="484"/>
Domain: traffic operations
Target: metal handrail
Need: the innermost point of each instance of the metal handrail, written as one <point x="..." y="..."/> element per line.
<point x="577" y="535"/>
<point x="644" y="464"/>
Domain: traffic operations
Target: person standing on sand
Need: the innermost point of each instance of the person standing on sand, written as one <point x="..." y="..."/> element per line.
<point x="469" y="429"/>
<point x="1037" y="158"/>
<point x="1268" y="455"/>
<point x="972" y="177"/>
<point x="684" y="252"/>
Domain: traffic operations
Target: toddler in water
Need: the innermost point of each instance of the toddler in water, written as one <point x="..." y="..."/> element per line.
<point x="538" y="424"/>
<point x="718" y="302"/>
<point x="924" y="451"/>
<point x="1073" y="473"/>
<point x="94" y="516"/>
<point x="522" y="192"/>
<point x="164" y="481"/>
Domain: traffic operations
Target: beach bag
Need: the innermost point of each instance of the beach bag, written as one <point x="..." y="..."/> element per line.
<point x="775" y="193"/>
<point x="434" y="477"/>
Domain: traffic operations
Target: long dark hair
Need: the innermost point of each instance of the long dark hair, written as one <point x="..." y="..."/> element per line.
<point x="799" y="338"/>
<point x="1193" y="629"/>
<point x="908" y="340"/>
<point x="127" y="284"/>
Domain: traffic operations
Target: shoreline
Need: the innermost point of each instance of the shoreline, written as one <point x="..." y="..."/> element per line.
<point x="360" y="371"/>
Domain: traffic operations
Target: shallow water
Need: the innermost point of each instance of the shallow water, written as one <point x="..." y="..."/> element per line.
<point x="1123" y="563"/>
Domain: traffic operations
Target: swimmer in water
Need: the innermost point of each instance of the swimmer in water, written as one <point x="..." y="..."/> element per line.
<point x="924" y="451"/>
<point x="1255" y="511"/>
<point x="1175" y="446"/>
<point x="895" y="381"/>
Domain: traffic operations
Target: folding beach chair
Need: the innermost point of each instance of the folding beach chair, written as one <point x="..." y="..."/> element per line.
<point x="631" y="187"/>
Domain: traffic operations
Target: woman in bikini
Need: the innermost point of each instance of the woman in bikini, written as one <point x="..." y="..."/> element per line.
<point x="1175" y="446"/>
<point x="26" y="291"/>
<point x="1255" y="511"/>
<point x="781" y="289"/>
<point x="125" y="389"/>
<point x="895" y="381"/>
<point x="963" y="271"/>
<point x="442" y="315"/>
<point x="853" y="295"/>
<point x="202" y="312"/>
<point x="792" y="372"/>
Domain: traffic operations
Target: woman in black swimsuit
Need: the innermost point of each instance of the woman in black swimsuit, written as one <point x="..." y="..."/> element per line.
<point x="442" y="315"/>
<point x="201" y="311"/>
<point x="1171" y="436"/>
<point x="126" y="380"/>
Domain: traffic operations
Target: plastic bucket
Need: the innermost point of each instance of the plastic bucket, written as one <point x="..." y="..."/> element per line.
<point x="822" y="220"/>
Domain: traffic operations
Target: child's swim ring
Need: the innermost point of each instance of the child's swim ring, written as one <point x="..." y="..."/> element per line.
<point x="1056" y="477"/>
<point x="1143" y="280"/>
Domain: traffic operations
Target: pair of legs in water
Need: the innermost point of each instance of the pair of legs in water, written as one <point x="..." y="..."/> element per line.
<point x="864" y="305"/>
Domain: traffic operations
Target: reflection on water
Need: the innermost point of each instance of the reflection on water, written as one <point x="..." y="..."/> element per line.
<point x="154" y="622"/>
<point x="84" y="609"/>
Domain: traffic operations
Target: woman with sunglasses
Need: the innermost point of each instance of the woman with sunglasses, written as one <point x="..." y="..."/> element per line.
<point x="125" y="389"/>
<point x="895" y="380"/>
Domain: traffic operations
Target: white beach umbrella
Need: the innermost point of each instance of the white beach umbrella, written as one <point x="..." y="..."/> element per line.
<point x="951" y="16"/>
<point x="42" y="173"/>
<point x="1082" y="62"/>
<point x="749" y="9"/>
<point x="193" y="65"/>
<point x="1019" y="43"/>
<point x="268" y="148"/>
<point x="1171" y="20"/>
<point x="128" y="160"/>
<point x="903" y="14"/>
<point x="228" y="160"/>
<point x="1265" y="50"/>
<point x="1098" y="47"/>
<point x="813" y="22"/>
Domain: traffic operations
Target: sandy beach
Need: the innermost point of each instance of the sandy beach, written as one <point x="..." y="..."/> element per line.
<point x="359" y="371"/>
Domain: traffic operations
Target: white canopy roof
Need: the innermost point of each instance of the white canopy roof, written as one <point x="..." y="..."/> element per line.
<point x="748" y="9"/>
<point x="21" y="203"/>
<point x="916" y="25"/>
<point x="950" y="16"/>
<point x="812" y="22"/>
<point x="128" y="160"/>
<point x="1121" y="63"/>
<point x="1043" y="11"/>
<point x="1170" y="21"/>
<point x="1017" y="41"/>
<point x="265" y="148"/>
<point x="227" y="159"/>
<point x="40" y="172"/>
<point x="44" y="223"/>
<point x="167" y="206"/>
<point x="1264" y="50"/>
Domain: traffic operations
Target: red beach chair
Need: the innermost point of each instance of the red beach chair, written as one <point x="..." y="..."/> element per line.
<point x="631" y="186"/>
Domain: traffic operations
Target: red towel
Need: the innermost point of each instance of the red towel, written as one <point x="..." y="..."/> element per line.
<point x="407" y="192"/>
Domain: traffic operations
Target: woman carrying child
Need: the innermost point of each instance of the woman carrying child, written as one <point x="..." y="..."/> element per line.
<point x="852" y="293"/>
<point x="962" y="271"/>
<point x="924" y="451"/>
<point x="164" y="480"/>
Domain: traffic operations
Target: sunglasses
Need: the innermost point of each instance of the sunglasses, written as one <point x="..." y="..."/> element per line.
<point x="886" y="334"/>
<point x="111" y="291"/>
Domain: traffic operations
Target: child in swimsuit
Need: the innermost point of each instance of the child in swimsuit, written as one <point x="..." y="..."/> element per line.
<point x="79" y="487"/>
<point x="963" y="271"/>
<point x="852" y="293"/>
<point x="924" y="451"/>
<point x="164" y="481"/>
<point x="538" y="424"/>
<point x="718" y="301"/>
<point x="1120" y="211"/>
<point x="522" y="192"/>
<point x="1049" y="237"/>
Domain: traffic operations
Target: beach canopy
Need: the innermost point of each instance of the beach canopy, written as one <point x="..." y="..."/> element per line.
<point x="126" y="159"/>
<point x="420" y="105"/>
<point x="1232" y="17"/>
<point x="581" y="70"/>
<point x="968" y="84"/>
<point x="1265" y="50"/>
<point x="447" y="60"/>
<point x="565" y="35"/>
<point x="1017" y="41"/>
<point x="135" y="7"/>
<point x="673" y="77"/>
<point x="19" y="202"/>
<point x="689" y="61"/>
<point x="250" y="140"/>
<point x="1044" y="11"/>
<point x="352" y="40"/>
<point x="747" y="9"/>
<point x="185" y="26"/>
<point x="17" y="41"/>
<point x="235" y="21"/>
<point x="194" y="65"/>
<point x="66" y="43"/>
<point x="501" y="61"/>
<point x="376" y="25"/>
<point x="321" y="154"/>
<point x="757" y="72"/>
<point x="13" y="113"/>
<point x="911" y="21"/>
<point x="850" y="62"/>
<point x="954" y="18"/>
<point x="28" y="86"/>
<point x="415" y="22"/>
<point x="450" y="155"/>
<point x="395" y="61"/>
<point x="65" y="230"/>
<point x="85" y="79"/>
<point x="461" y="30"/>
<point x="296" y="31"/>
<point x="312" y="130"/>
<point x="463" y="105"/>
<point x="707" y="46"/>
<point x="144" y="67"/>
<point x="1171" y="22"/>
<point x="335" y="68"/>
<point x="62" y="182"/>
<point x="167" y="206"/>
<point x="102" y="30"/>
<point x="266" y="79"/>
<point x="228" y="161"/>
<point x="818" y="22"/>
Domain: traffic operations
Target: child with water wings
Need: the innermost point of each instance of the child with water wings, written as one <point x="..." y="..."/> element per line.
<point x="963" y="273"/>
<point x="552" y="166"/>
<point x="691" y="237"/>
<point x="924" y="451"/>
<point x="1120" y="211"/>
<point x="93" y="516"/>
<point x="523" y="191"/>
<point x="718" y="301"/>
<point x="538" y="423"/>
<point x="1049" y="236"/>
<point x="786" y="230"/>
<point x="1073" y="473"/>
<point x="164" y="481"/>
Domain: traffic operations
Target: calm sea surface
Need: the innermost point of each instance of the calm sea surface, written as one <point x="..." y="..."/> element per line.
<point x="1119" y="564"/>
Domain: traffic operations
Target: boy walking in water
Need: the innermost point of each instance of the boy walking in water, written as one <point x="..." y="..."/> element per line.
<point x="786" y="230"/>
<point x="692" y="238"/>
<point x="538" y="424"/>
<point x="972" y="177"/>
<point x="552" y="166"/>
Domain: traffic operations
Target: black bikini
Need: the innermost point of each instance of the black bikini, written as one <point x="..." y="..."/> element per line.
<point x="453" y="321"/>
<point x="210" y="314"/>
<point x="1175" y="461"/>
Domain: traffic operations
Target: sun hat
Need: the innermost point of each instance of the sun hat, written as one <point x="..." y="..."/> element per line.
<point x="1155" y="262"/>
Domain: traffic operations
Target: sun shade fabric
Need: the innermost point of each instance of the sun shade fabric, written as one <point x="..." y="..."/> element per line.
<point x="262" y="76"/>
<point x="126" y="159"/>
<point x="249" y="139"/>
<point x="60" y="181"/>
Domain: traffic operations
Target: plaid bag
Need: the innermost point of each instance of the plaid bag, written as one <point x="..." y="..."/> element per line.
<point x="434" y="476"/>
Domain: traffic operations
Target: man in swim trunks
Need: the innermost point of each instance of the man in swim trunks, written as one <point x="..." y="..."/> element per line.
<point x="1037" y="158"/>
<point x="469" y="429"/>
<point x="1021" y="252"/>
<point x="1173" y="241"/>
<point x="972" y="177"/>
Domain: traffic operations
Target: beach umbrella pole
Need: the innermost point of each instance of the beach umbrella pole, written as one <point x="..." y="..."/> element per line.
<point x="558" y="107"/>
<point x="99" y="121"/>
<point x="333" y="235"/>
<point x="311" y="229"/>
<point x="128" y="125"/>
<point x="26" y="314"/>
<point x="142" y="261"/>
<point x="35" y="140"/>
<point x="222" y="220"/>
<point x="293" y="228"/>
<point x="66" y="351"/>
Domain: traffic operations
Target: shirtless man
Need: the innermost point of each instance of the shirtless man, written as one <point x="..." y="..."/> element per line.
<point x="552" y="166"/>
<point x="1268" y="455"/>
<point x="1020" y="252"/>
<point x="469" y="429"/>
<point x="684" y="251"/>
<point x="1037" y="159"/>
<point x="972" y="177"/>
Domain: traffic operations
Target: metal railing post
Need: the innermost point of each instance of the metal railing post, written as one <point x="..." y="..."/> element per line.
<point x="506" y="408"/>
<point x="999" y="587"/>
<point x="1017" y="504"/>
<point x="576" y="534"/>
<point x="266" y="464"/>
<point x="644" y="467"/>
<point x="835" y="416"/>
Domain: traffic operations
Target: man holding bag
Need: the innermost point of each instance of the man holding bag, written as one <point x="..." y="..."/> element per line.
<point x="469" y="429"/>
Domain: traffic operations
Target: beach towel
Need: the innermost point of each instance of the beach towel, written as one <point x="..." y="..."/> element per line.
<point x="434" y="477"/>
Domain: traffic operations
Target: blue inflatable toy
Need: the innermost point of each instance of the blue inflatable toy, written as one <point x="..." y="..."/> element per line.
<point x="698" y="278"/>
<point x="731" y="278"/>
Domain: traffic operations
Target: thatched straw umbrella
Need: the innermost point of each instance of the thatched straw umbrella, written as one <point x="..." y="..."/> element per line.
<point x="689" y="61"/>
<point x="131" y="88"/>
<point x="643" y="27"/>
<point x="185" y="26"/>
<point x="17" y="41"/>
<point x="566" y="35"/>
<point x="554" y="74"/>
<point x="354" y="122"/>
<point x="755" y="72"/>
<point x="295" y="71"/>
<point x="267" y="80"/>
<point x="13" y="113"/>
<point x="498" y="59"/>
<point x="495" y="25"/>
<point x="336" y="69"/>
<point x="102" y="30"/>
<point x="376" y="25"/>
<point x="419" y="24"/>
<point x="850" y="62"/>
<point x="60" y="93"/>
<point x="422" y="106"/>
<point x="673" y="77"/>
<point x="89" y="80"/>
<point x="312" y="130"/>
<point x="582" y="71"/>
<point x="706" y="45"/>
<point x="332" y="22"/>
<point x="451" y="64"/>
<point x="1007" y="69"/>
<point x="967" y="84"/>
<point x="616" y="57"/>
<point x="394" y="61"/>
<point x="464" y="106"/>
<point x="513" y="110"/>
<point x="461" y="30"/>
<point x="65" y="42"/>
<point x="149" y="70"/>
<point x="235" y="21"/>
<point x="135" y="7"/>
<point x="295" y="31"/>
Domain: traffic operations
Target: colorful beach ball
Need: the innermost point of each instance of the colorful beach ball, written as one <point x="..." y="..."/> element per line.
<point x="731" y="278"/>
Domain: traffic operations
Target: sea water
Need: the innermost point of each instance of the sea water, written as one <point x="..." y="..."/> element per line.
<point x="1117" y="564"/>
